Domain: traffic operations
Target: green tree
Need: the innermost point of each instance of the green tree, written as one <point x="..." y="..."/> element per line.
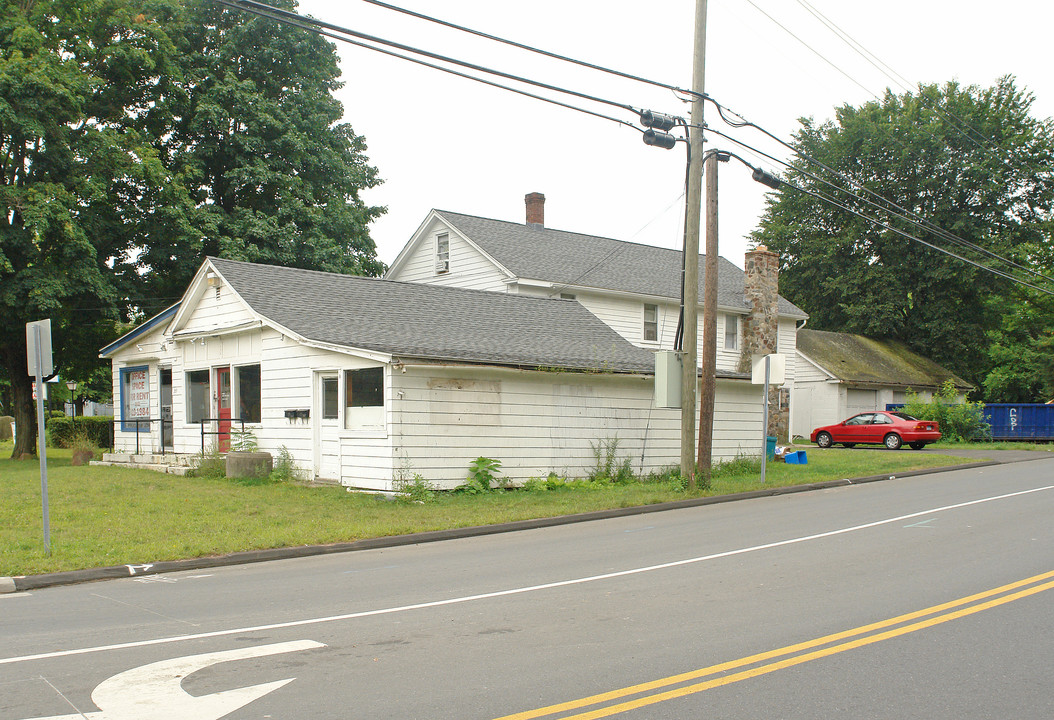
<point x="971" y="161"/>
<point x="76" y="175"/>
<point x="252" y="129"/>
<point x="139" y="136"/>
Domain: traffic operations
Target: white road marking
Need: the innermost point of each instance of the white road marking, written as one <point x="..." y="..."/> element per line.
<point x="154" y="691"/>
<point x="510" y="591"/>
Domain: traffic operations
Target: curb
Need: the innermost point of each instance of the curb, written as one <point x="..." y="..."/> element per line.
<point x="36" y="582"/>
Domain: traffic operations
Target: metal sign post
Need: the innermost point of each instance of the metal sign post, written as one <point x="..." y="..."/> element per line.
<point x="38" y="347"/>
<point x="765" y="422"/>
<point x="766" y="370"/>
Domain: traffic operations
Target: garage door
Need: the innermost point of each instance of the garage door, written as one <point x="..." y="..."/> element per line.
<point x="859" y="401"/>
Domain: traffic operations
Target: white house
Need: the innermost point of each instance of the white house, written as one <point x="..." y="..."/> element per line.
<point x="841" y="374"/>
<point x="634" y="289"/>
<point x="365" y="381"/>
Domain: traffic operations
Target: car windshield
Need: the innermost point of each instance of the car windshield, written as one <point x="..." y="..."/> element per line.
<point x="903" y="416"/>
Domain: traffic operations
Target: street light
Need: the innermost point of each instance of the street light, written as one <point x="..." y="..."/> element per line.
<point x="72" y="385"/>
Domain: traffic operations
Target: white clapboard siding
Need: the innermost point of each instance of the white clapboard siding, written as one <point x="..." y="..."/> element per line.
<point x="626" y="317"/>
<point x="468" y="268"/>
<point x="217" y="307"/>
<point x="537" y="422"/>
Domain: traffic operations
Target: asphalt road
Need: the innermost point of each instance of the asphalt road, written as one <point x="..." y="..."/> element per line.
<point x="927" y="597"/>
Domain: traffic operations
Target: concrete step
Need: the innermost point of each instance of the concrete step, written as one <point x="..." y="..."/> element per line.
<point x="156" y="467"/>
<point x="151" y="459"/>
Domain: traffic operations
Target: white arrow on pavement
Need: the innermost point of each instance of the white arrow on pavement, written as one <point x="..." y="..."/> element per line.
<point x="155" y="692"/>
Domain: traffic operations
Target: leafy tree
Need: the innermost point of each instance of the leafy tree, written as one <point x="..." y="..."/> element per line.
<point x="971" y="161"/>
<point x="251" y="128"/>
<point x="75" y="174"/>
<point x="1021" y="353"/>
<point x="136" y="137"/>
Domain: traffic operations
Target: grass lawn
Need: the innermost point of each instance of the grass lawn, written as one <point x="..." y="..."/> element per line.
<point x="112" y="516"/>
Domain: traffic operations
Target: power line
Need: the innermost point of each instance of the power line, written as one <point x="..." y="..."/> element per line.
<point x="902" y="212"/>
<point x="531" y="48"/>
<point x="889" y="72"/>
<point x="887" y="226"/>
<point x="309" y="23"/>
<point x="856" y="82"/>
<point x="922" y="224"/>
<point x="880" y="223"/>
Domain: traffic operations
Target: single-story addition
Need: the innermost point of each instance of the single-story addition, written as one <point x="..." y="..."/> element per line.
<point x="840" y="374"/>
<point x="366" y="381"/>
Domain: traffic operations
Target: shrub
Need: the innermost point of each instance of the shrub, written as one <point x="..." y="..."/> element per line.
<point x="481" y="473"/>
<point x="210" y="464"/>
<point x="98" y="430"/>
<point x="959" y="421"/>
<point x="244" y="441"/>
<point x="285" y="470"/>
<point x="607" y="467"/>
<point x="416" y="490"/>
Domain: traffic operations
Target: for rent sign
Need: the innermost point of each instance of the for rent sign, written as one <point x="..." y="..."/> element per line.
<point x="135" y="398"/>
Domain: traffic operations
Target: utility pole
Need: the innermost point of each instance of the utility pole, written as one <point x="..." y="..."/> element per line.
<point x="709" y="354"/>
<point x="693" y="200"/>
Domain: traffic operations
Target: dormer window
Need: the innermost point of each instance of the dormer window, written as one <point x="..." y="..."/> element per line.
<point x="442" y="253"/>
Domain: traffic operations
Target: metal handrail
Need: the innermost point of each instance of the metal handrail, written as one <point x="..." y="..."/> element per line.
<point x="138" y="425"/>
<point x="202" y="422"/>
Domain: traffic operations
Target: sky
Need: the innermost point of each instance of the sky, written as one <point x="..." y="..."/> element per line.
<point x="444" y="142"/>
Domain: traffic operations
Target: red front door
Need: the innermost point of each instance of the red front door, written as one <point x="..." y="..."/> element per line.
<point x="223" y="405"/>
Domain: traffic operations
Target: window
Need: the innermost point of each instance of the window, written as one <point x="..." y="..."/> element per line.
<point x="330" y="398"/>
<point x="364" y="399"/>
<point x="135" y="398"/>
<point x="731" y="331"/>
<point x="864" y="419"/>
<point x="442" y="253"/>
<point x="197" y="395"/>
<point x="249" y="393"/>
<point x="651" y="323"/>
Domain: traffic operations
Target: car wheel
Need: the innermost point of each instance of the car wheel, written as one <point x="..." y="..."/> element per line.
<point x="917" y="445"/>
<point x="892" y="441"/>
<point x="849" y="445"/>
<point x="824" y="440"/>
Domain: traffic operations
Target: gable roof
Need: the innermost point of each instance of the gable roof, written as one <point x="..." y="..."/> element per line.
<point x="431" y="322"/>
<point x="855" y="358"/>
<point x="574" y="259"/>
<point x="137" y="332"/>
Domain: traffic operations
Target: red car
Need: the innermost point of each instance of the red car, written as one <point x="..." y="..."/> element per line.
<point x="891" y="429"/>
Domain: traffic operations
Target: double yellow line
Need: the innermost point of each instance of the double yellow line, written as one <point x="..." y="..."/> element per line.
<point x="791" y="655"/>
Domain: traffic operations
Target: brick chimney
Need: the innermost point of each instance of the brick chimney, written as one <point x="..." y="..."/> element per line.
<point x="535" y="209"/>
<point x="760" y="330"/>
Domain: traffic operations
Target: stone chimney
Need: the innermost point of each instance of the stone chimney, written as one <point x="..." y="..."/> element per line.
<point x="761" y="288"/>
<point x="535" y="209"/>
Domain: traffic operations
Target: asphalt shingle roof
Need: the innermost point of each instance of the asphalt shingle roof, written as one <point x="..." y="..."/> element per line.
<point x="433" y="322"/>
<point x="556" y="256"/>
<point x="855" y="358"/>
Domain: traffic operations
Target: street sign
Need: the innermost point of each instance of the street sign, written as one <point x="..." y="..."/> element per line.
<point x="777" y="369"/>
<point x="38" y="355"/>
<point x="38" y="348"/>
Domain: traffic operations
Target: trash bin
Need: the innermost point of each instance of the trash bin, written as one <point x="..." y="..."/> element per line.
<point x="797" y="458"/>
<point x="770" y="448"/>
